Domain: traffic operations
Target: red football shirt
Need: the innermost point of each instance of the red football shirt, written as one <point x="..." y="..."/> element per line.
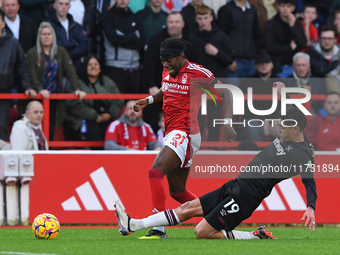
<point x="129" y="136"/>
<point x="177" y="101"/>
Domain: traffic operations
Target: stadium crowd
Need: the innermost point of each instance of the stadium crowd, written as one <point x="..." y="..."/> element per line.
<point x="112" y="46"/>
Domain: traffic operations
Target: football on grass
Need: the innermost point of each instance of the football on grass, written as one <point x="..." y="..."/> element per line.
<point x="45" y="226"/>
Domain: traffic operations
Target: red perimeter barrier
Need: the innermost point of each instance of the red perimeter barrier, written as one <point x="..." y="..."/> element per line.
<point x="80" y="187"/>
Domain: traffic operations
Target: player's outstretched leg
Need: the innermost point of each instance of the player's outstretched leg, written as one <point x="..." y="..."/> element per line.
<point x="123" y="219"/>
<point x="263" y="233"/>
<point x="128" y="225"/>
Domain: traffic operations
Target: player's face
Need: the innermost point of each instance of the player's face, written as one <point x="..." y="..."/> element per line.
<point x="93" y="67"/>
<point x="35" y="113"/>
<point x="175" y="24"/>
<point x="310" y="14"/>
<point x="286" y="9"/>
<point x="327" y="40"/>
<point x="285" y="133"/>
<point x="130" y="114"/>
<point x="204" y="22"/>
<point x="301" y="67"/>
<point x="173" y="65"/>
<point x="61" y="8"/>
<point x="11" y="8"/>
<point x="332" y="105"/>
<point x="46" y="37"/>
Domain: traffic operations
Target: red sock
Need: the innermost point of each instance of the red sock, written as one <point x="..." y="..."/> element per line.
<point x="184" y="196"/>
<point x="157" y="190"/>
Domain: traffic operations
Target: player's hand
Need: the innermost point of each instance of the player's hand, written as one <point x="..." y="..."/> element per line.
<point x="309" y="215"/>
<point x="45" y="93"/>
<point x="31" y="93"/>
<point x="279" y="86"/>
<point x="140" y="104"/>
<point x="81" y="94"/>
<point x="230" y="133"/>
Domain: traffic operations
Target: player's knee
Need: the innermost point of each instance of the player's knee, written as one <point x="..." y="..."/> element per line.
<point x="154" y="173"/>
<point x="200" y="233"/>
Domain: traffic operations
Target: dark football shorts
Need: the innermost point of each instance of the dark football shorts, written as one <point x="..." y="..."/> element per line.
<point x="222" y="210"/>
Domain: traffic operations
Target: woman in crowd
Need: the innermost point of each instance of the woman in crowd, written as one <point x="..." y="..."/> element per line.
<point x="52" y="71"/>
<point x="97" y="114"/>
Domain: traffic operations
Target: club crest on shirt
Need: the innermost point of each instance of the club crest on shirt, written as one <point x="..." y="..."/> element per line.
<point x="184" y="78"/>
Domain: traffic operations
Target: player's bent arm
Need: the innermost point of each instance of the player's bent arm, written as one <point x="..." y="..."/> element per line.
<point x="140" y="104"/>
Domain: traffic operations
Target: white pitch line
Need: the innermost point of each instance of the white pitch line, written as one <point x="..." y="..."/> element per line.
<point x="25" y="253"/>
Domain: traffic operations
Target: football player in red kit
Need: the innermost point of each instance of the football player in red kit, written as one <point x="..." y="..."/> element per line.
<point x="182" y="136"/>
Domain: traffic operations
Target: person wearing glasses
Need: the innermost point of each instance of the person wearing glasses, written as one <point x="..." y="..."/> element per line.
<point x="324" y="54"/>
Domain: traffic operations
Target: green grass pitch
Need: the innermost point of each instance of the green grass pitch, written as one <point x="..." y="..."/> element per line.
<point x="291" y="240"/>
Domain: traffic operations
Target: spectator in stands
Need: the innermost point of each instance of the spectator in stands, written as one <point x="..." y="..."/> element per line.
<point x="214" y="52"/>
<point x="238" y="19"/>
<point x="323" y="131"/>
<point x="214" y="46"/>
<point x="27" y="133"/>
<point x="309" y="14"/>
<point x="261" y="83"/>
<point x="324" y="54"/>
<point x="124" y="37"/>
<point x="337" y="24"/>
<point x="69" y="33"/>
<point x="22" y="28"/>
<point x="189" y="16"/>
<point x="86" y="14"/>
<point x="12" y="60"/>
<point x="25" y="30"/>
<point x="302" y="77"/>
<point x="154" y="18"/>
<point x="283" y="37"/>
<point x="49" y="64"/>
<point x="35" y="9"/>
<point x="323" y="7"/>
<point x="97" y="113"/>
<point x="130" y="132"/>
